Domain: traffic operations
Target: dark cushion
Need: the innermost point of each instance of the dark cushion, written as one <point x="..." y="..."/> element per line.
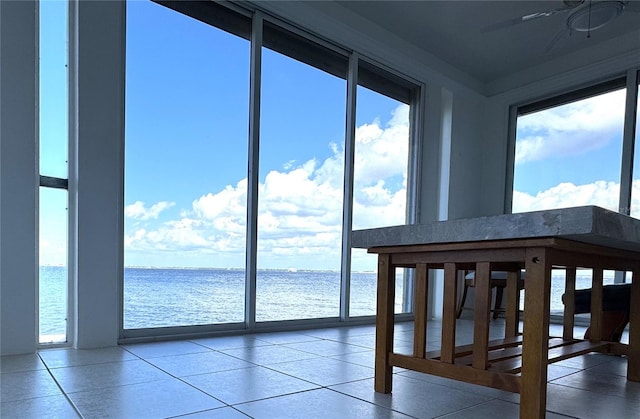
<point x="614" y="298"/>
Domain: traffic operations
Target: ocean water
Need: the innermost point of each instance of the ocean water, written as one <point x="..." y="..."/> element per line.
<point x="174" y="297"/>
<point x="159" y="297"/>
<point x="53" y="303"/>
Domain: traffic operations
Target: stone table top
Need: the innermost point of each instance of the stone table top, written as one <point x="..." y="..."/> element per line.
<point x="588" y="224"/>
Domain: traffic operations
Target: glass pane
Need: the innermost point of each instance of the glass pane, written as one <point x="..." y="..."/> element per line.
<point x="53" y="153"/>
<point x="53" y="265"/>
<point x="300" y="192"/>
<point x="570" y="155"/>
<point x="186" y="170"/>
<point x="54" y="148"/>
<point x="380" y="188"/>
<point x="567" y="156"/>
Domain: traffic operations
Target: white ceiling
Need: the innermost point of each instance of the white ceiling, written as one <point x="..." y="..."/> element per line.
<point x="457" y="33"/>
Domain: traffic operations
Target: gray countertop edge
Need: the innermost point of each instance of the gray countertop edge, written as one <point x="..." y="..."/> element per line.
<point x="588" y="224"/>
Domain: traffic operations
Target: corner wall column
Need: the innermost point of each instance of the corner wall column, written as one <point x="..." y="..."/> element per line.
<point x="96" y="185"/>
<point x="18" y="177"/>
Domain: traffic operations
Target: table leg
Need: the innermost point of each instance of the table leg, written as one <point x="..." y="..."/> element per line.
<point x="384" y="324"/>
<point x="633" y="354"/>
<point x="448" y="349"/>
<point x="595" y="326"/>
<point x="570" y="303"/>
<point x="420" y="309"/>
<point x="481" y="311"/>
<point x="535" y="349"/>
<point x="512" y="313"/>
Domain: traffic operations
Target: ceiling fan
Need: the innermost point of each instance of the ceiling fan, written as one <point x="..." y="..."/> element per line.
<point x="583" y="16"/>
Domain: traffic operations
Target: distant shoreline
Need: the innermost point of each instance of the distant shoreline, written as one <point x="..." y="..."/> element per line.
<point x="189" y="268"/>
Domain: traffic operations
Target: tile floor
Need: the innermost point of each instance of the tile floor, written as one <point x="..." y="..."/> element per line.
<point x="321" y="373"/>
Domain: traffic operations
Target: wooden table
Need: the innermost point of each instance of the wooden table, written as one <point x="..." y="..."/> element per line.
<point x="517" y="363"/>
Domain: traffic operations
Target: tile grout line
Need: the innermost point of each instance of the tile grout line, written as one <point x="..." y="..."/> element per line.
<point x="64" y="393"/>
<point x="366" y="401"/>
<point x="265" y="367"/>
<point x="209" y="410"/>
<point x="180" y="379"/>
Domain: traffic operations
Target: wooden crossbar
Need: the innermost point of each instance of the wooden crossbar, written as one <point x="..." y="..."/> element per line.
<point x="498" y="355"/>
<point x="465" y="350"/>
<point x="558" y="353"/>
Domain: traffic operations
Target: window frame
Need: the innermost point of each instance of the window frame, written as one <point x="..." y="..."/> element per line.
<point x="572" y="95"/>
<point x="413" y="96"/>
<point x="63" y="183"/>
<point x="629" y="80"/>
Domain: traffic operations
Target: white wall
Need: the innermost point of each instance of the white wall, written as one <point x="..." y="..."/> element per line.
<point x="18" y="177"/>
<point x="97" y="181"/>
<point x="465" y="198"/>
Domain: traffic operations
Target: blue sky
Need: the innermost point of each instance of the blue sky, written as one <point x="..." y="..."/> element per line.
<point x="187" y="98"/>
<point x="53" y="90"/>
<point x="571" y="155"/>
<point x="53" y="131"/>
<point x="569" y="141"/>
<point x="186" y="148"/>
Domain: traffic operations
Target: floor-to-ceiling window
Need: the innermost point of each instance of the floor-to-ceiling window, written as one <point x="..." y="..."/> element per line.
<point x="301" y="170"/>
<point x="569" y="152"/>
<point x="54" y="172"/>
<point x="236" y="165"/>
<point x="381" y="167"/>
<point x="185" y="166"/>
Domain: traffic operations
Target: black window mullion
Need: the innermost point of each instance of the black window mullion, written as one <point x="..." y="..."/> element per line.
<point x="297" y="47"/>
<point x="386" y="83"/>
<point x="54" y="182"/>
<point x="572" y="96"/>
<point x="213" y="14"/>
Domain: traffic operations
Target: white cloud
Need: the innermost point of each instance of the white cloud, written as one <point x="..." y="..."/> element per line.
<point x="138" y="211"/>
<point x="382" y="152"/>
<point x="381" y="158"/>
<point x="571" y="129"/>
<point x="300" y="207"/>
<point x="225" y="210"/>
<point x="565" y="195"/>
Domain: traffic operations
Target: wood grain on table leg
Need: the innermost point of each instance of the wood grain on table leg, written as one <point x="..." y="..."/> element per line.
<point x="569" y="303"/>
<point x="420" y="309"/>
<point x="449" y="313"/>
<point x="595" y="326"/>
<point x="535" y="351"/>
<point x="512" y="313"/>
<point x="481" y="309"/>
<point x="384" y="324"/>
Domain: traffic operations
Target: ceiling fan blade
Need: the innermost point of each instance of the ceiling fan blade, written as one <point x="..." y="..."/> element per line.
<point x="557" y="39"/>
<point x="528" y="18"/>
<point x="501" y="25"/>
<point x="632" y="6"/>
<point x="533" y="16"/>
